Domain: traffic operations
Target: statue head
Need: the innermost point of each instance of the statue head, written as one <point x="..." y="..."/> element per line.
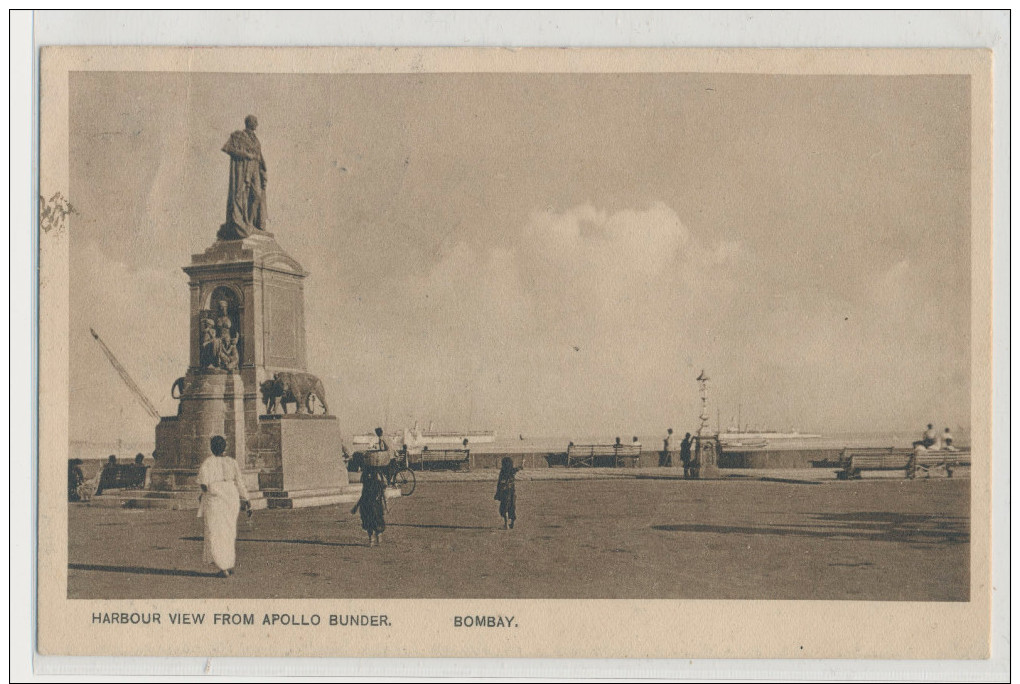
<point x="250" y="122"/>
<point x="222" y="306"/>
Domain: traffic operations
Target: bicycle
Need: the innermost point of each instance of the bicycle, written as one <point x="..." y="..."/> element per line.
<point x="402" y="478"/>
<point x="397" y="472"/>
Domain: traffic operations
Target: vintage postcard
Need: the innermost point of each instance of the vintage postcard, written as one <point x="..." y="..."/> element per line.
<point x="618" y="353"/>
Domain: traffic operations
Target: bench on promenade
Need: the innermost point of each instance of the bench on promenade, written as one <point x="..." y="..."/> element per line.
<point x="590" y="454"/>
<point x="459" y="458"/>
<point x="944" y="460"/>
<point x="853" y="462"/>
<point x="127" y="476"/>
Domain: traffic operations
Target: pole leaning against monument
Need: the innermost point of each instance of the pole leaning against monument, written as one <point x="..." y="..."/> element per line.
<point x="247" y="377"/>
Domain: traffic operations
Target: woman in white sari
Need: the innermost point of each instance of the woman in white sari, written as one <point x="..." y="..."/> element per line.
<point x="222" y="490"/>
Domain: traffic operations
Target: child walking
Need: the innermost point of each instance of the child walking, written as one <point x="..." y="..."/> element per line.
<point x="506" y="493"/>
<point x="372" y="504"/>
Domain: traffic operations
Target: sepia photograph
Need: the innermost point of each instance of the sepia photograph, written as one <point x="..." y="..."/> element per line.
<point x="667" y="329"/>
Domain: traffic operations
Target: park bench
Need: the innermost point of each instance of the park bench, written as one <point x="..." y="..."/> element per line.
<point x="853" y="462"/>
<point x="127" y="476"/>
<point x="944" y="460"/>
<point x="591" y="454"/>
<point x="458" y="458"/>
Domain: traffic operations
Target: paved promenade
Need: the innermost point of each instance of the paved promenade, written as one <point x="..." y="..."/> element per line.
<point x="614" y="537"/>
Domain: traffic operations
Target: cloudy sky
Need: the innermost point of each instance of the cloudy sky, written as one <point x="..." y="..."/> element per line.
<point x="547" y="254"/>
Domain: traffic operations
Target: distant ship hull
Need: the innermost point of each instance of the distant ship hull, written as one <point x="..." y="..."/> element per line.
<point x="420" y="438"/>
<point x="755" y="436"/>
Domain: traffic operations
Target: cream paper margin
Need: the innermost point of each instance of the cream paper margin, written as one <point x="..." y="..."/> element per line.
<point x="548" y="628"/>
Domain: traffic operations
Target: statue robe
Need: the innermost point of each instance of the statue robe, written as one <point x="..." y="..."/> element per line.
<point x="246" y="196"/>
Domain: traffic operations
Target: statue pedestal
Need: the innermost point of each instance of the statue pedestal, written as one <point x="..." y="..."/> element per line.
<point x="300" y="452"/>
<point x="211" y="404"/>
<point x="252" y="290"/>
<point x="706" y="455"/>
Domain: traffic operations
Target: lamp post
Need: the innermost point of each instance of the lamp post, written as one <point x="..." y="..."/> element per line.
<point x="706" y="455"/>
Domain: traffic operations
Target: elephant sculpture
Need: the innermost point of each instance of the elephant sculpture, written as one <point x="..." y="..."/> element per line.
<point x="286" y="387"/>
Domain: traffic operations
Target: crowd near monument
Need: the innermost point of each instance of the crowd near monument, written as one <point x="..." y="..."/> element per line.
<point x="247" y="378"/>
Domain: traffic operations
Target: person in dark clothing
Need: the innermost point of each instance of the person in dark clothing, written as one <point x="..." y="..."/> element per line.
<point x="75" y="479"/>
<point x="685" y="456"/>
<point x="108" y="474"/>
<point x="139" y="470"/>
<point x="506" y="493"/>
<point x="372" y="504"/>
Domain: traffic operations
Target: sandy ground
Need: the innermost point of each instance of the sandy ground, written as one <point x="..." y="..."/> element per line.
<point x="882" y="539"/>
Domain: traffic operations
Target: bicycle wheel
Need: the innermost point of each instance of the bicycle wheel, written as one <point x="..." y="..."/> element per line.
<point x="405" y="482"/>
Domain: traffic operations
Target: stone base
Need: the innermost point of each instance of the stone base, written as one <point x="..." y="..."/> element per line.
<point x="260" y="500"/>
<point x="300" y="452"/>
<point x="710" y="472"/>
<point x="183" y="479"/>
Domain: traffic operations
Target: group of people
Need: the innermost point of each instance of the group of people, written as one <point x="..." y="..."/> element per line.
<point x="81" y="489"/>
<point x="686" y="458"/>
<point x="378" y="474"/>
<point x="224" y="495"/>
<point x="220" y="344"/>
<point x="932" y="440"/>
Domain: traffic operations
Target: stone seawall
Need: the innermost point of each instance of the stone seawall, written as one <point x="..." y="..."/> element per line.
<point x="552" y="459"/>
<point x="763" y="459"/>
<point x="777" y="458"/>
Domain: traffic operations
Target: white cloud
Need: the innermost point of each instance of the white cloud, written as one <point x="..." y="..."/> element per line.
<point x="580" y="321"/>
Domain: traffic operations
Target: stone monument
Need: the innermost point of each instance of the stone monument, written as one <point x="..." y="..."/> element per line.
<point x="247" y="378"/>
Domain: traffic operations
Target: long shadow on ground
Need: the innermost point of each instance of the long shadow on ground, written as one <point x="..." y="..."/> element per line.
<point x="138" y="570"/>
<point x="314" y="542"/>
<point x="867" y="526"/>
<point x="443" y="527"/>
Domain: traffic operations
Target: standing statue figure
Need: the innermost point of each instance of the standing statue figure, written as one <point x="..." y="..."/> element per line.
<point x="246" y="197"/>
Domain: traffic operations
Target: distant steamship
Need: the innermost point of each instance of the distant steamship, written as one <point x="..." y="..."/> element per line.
<point x="415" y="437"/>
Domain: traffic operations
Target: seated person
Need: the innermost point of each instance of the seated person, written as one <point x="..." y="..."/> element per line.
<point x="139" y="471"/>
<point x="928" y="438"/>
<point x="75" y="479"/>
<point x="108" y="476"/>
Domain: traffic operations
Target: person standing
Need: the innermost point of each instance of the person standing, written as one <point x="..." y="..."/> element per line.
<point x="222" y="491"/>
<point x="665" y="458"/>
<point x="381" y="444"/>
<point x="506" y="492"/>
<point x="685" y="456"/>
<point x="372" y="504"/>
<point x="947" y="439"/>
